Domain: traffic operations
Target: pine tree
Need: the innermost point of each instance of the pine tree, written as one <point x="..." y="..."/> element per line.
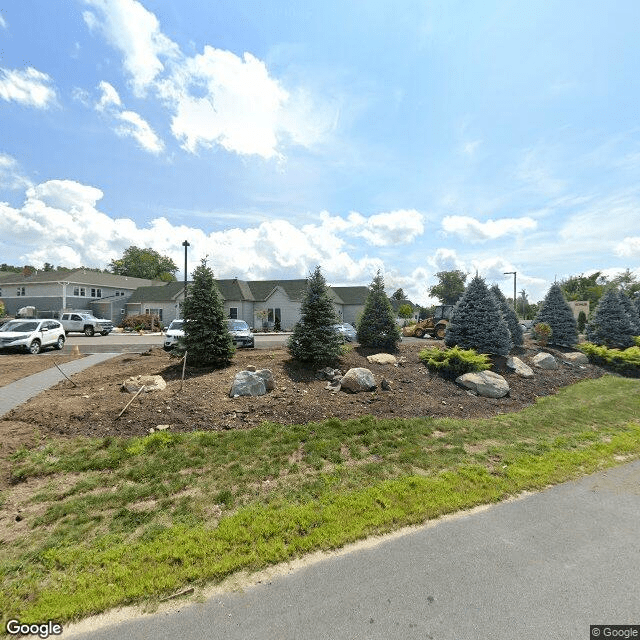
<point x="636" y="304"/>
<point x="555" y="312"/>
<point x="477" y="322"/>
<point x="610" y="325"/>
<point x="377" y="327"/>
<point x="314" y="339"/>
<point x="630" y="308"/>
<point x="206" y="336"/>
<point x="515" y="328"/>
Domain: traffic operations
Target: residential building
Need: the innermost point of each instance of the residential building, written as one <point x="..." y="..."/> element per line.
<point x="51" y="292"/>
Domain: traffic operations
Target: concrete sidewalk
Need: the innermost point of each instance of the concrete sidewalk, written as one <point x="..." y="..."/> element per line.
<point x="16" y="393"/>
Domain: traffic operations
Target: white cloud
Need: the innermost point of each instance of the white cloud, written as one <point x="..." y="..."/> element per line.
<point x="534" y="171"/>
<point x="10" y="175"/>
<point x="109" y="98"/>
<point x="629" y="247"/>
<point x="446" y="260"/>
<point x="384" y="229"/>
<point x="473" y="230"/>
<point x="3" y="22"/>
<point x="135" y="126"/>
<point x="470" y="148"/>
<point x="135" y="32"/>
<point x="216" y="97"/>
<point x="30" y="87"/>
<point x="60" y="222"/>
<point x="129" y="123"/>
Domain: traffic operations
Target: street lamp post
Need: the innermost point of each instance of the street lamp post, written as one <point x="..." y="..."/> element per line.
<point x="513" y="273"/>
<point x="185" y="244"/>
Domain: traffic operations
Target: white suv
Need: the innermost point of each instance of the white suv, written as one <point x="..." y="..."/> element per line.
<point x="32" y="335"/>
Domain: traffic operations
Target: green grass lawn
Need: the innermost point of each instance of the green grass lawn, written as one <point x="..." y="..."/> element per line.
<point x="118" y="521"/>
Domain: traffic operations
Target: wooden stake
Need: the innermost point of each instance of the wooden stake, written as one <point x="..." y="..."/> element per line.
<point x="138" y="392"/>
<point x="64" y="374"/>
<point x="184" y="366"/>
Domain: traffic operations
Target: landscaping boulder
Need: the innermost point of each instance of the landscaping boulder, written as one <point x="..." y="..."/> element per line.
<point x="358" y="379"/>
<point x="545" y="361"/>
<point x="150" y="383"/>
<point x="382" y="358"/>
<point x="247" y="383"/>
<point x="267" y="377"/>
<point x="576" y="357"/>
<point x="485" y="383"/>
<point x="519" y="367"/>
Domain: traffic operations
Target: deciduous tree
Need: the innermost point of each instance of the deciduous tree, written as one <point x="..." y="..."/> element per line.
<point x="450" y="286"/>
<point x="144" y="263"/>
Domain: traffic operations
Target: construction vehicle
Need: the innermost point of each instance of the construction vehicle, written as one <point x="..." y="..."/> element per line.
<point x="433" y="327"/>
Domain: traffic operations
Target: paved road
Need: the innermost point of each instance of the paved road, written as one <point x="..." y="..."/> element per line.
<point x="544" y="567"/>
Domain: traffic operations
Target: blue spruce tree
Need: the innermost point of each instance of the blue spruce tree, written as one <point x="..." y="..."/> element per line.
<point x="515" y="328"/>
<point x="558" y="315"/>
<point x="610" y="325"/>
<point x="477" y="322"/>
<point x="377" y="327"/>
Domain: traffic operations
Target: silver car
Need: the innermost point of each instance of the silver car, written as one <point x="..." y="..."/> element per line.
<point x="346" y="331"/>
<point x="241" y="333"/>
<point x="32" y="335"/>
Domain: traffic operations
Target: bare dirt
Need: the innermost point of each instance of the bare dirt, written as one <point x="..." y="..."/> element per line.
<point x="91" y="408"/>
<point x="16" y="366"/>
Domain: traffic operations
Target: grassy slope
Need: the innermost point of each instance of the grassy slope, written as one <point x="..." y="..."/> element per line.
<point x="143" y="517"/>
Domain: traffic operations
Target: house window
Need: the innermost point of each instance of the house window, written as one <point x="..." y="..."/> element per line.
<point x="20" y="291"/>
<point x="119" y="293"/>
<point x="96" y="293"/>
<point x="154" y="312"/>
<point x="79" y="291"/>
<point x="273" y="315"/>
<point x="233" y="313"/>
<point x="121" y="312"/>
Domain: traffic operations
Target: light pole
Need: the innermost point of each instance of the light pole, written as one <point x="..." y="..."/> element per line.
<point x="185" y="244"/>
<point x="509" y="273"/>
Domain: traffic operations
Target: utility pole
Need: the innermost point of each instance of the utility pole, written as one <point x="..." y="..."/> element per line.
<point x="185" y="244"/>
<point x="513" y="273"/>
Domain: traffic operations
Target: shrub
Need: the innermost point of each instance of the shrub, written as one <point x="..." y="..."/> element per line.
<point x="515" y="328"/>
<point x="610" y="325"/>
<point x="541" y="333"/>
<point x="377" y="327"/>
<point x="625" y="362"/>
<point x="141" y="321"/>
<point x="314" y="339"/>
<point x="477" y="322"/>
<point x="582" y="321"/>
<point x="206" y="336"/>
<point x="2" y="309"/>
<point x="558" y="315"/>
<point x="454" y="362"/>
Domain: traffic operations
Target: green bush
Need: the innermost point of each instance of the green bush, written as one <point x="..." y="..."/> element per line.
<point x="451" y="363"/>
<point x="637" y="341"/>
<point x="625" y="362"/>
<point x="541" y="333"/>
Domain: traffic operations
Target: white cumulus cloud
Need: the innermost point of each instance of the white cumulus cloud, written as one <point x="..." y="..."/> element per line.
<point x="215" y="97"/>
<point x="29" y="87"/>
<point x="473" y="230"/>
<point x="10" y="175"/>
<point x="629" y="247"/>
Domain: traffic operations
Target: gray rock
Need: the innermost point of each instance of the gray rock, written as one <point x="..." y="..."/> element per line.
<point x="576" y="357"/>
<point x="520" y="368"/>
<point x="485" y="383"/>
<point x="247" y="383"/>
<point x="358" y="379"/>
<point x="150" y="383"/>
<point x="267" y="377"/>
<point x="545" y="360"/>
<point x="385" y="385"/>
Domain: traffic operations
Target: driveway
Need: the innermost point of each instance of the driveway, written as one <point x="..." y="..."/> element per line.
<point x="545" y="566"/>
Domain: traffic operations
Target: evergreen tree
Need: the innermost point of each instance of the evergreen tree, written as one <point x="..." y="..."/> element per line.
<point x="314" y="339"/>
<point x="377" y="327"/>
<point x="610" y="325"/>
<point x="630" y="308"/>
<point x="636" y="303"/>
<point x="582" y="321"/>
<point x="558" y="315"/>
<point x="477" y="322"/>
<point x="515" y="328"/>
<point x="206" y="336"/>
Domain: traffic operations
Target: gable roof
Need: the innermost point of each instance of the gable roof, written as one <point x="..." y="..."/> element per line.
<point x="262" y="289"/>
<point x="167" y="293"/>
<point x="352" y="295"/>
<point x="81" y="276"/>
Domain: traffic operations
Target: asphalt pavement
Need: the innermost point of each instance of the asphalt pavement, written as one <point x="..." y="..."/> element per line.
<point x="542" y="567"/>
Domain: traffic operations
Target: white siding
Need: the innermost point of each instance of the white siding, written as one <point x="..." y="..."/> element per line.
<point x="289" y="310"/>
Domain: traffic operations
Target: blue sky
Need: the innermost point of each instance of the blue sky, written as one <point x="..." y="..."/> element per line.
<point x="412" y="137"/>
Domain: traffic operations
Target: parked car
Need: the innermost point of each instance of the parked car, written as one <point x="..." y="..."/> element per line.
<point x="85" y="323"/>
<point x="32" y="335"/>
<point x="173" y="334"/>
<point x="241" y="333"/>
<point x="346" y="331"/>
